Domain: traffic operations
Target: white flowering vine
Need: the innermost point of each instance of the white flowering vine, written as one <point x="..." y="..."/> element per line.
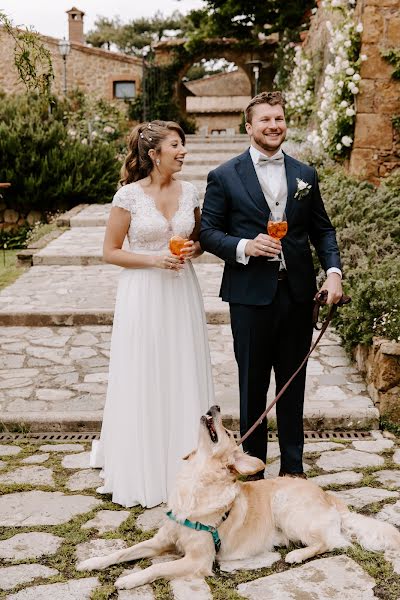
<point x="300" y="93"/>
<point x="336" y="111"/>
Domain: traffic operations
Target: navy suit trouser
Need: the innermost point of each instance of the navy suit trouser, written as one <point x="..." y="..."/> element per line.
<point x="276" y="336"/>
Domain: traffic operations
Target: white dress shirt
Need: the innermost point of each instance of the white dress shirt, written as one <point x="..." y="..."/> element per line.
<point x="269" y="171"/>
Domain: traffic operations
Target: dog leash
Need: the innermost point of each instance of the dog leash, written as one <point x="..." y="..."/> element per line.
<point x="319" y="301"/>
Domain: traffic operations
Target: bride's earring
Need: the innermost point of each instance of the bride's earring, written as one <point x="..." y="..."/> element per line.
<point x="157" y="162"/>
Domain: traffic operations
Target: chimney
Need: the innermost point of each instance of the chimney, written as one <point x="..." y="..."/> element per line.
<point x="75" y="25"/>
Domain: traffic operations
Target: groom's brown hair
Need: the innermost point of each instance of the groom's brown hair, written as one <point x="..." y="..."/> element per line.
<point x="270" y="98"/>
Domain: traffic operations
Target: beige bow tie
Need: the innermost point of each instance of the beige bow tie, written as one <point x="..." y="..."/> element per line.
<point x="276" y="159"/>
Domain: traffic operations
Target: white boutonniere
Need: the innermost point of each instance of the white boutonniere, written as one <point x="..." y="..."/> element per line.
<point x="302" y="188"/>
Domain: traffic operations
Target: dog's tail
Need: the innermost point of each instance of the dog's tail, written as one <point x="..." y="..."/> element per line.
<point x="370" y="533"/>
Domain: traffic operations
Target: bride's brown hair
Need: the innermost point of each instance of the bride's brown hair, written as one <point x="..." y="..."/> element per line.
<point x="145" y="137"/>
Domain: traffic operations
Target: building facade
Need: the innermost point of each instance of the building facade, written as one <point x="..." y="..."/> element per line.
<point x="96" y="72"/>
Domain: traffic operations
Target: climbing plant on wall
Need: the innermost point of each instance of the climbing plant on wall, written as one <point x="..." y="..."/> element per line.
<point x="31" y="58"/>
<point x="335" y="110"/>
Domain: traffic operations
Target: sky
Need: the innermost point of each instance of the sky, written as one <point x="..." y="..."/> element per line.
<point x="48" y="16"/>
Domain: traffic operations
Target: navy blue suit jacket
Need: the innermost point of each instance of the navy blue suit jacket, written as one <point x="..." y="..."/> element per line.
<point x="235" y="208"/>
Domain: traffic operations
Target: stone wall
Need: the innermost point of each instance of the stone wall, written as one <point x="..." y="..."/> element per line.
<point x="376" y="149"/>
<point x="90" y="69"/>
<point x="380" y="363"/>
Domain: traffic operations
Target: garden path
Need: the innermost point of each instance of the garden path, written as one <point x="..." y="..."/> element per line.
<point x="55" y="325"/>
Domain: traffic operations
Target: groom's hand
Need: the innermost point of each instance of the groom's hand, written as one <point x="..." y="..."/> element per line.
<point x="333" y="285"/>
<point x="263" y="245"/>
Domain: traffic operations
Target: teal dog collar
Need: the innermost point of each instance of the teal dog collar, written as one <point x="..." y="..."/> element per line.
<point x="197" y="526"/>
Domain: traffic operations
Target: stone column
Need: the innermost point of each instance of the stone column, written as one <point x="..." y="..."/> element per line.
<point x="376" y="149"/>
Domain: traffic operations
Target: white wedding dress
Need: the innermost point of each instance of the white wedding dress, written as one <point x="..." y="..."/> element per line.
<point x="160" y="380"/>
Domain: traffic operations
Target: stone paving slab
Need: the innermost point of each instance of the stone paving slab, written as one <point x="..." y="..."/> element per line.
<point x="10" y="577"/>
<point x="83" y="246"/>
<point x="29" y="545"/>
<point x="55" y="378"/>
<point x="77" y="589"/>
<point x="55" y="295"/>
<point x="360" y="497"/>
<point x="29" y="475"/>
<point x="390" y="513"/>
<point x="42" y="508"/>
<point x="260" y="561"/>
<point x="107" y="520"/>
<point x="333" y="578"/>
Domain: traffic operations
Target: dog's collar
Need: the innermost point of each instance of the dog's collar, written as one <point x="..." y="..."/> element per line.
<point x="197" y="526"/>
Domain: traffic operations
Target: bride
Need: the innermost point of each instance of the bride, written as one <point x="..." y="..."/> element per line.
<point x="160" y="379"/>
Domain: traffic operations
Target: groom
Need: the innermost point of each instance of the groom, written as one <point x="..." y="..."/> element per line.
<point x="270" y="284"/>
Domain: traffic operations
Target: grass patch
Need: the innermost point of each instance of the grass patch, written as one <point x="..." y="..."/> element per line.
<point x="41" y="229"/>
<point x="9" y="271"/>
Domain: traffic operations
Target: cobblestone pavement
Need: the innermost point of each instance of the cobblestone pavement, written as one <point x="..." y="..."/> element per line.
<point x="57" y="376"/>
<point x="51" y="517"/>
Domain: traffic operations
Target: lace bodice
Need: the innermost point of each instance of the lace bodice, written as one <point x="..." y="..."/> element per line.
<point x="149" y="229"/>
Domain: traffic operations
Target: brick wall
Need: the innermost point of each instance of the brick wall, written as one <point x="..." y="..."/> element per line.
<point x="376" y="149"/>
<point x="89" y="69"/>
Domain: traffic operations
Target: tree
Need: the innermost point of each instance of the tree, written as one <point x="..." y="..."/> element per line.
<point x="131" y="37"/>
<point x="246" y="19"/>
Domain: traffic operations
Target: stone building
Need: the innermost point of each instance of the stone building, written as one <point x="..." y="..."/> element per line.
<point x="217" y="101"/>
<point x="376" y="148"/>
<point x="97" y="72"/>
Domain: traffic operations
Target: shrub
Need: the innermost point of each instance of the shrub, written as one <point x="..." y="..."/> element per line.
<point x="50" y="170"/>
<point x="367" y="221"/>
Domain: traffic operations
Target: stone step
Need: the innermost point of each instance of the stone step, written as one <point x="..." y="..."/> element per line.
<point x="217" y="149"/>
<point x="85" y="295"/>
<point x="96" y="215"/>
<point x="194" y="173"/>
<point x="55" y="378"/>
<point x="83" y="246"/>
<point x="216" y="139"/>
<point x="207" y="159"/>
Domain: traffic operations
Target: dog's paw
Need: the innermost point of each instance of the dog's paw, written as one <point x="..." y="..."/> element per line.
<point x="128" y="582"/>
<point x="91" y="564"/>
<point x="295" y="556"/>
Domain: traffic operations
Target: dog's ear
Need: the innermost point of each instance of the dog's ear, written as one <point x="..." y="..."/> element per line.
<point x="245" y="464"/>
<point x="192" y="453"/>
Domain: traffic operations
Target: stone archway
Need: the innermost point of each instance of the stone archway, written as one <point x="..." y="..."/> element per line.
<point x="228" y="48"/>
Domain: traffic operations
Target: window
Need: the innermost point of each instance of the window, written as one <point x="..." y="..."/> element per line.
<point x="124" y="89"/>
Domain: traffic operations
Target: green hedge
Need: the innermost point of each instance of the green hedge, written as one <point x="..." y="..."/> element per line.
<point x="367" y="221"/>
<point x="49" y="170"/>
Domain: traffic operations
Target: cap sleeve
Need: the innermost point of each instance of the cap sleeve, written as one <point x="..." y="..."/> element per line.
<point x="195" y="197"/>
<point x="125" y="198"/>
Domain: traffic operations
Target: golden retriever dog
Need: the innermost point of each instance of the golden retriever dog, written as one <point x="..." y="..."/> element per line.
<point x="259" y="515"/>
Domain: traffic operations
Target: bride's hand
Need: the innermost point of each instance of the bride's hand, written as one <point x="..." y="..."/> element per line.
<point x="168" y="261"/>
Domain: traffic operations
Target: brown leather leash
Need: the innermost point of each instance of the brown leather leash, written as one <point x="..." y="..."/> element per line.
<point x="319" y="300"/>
